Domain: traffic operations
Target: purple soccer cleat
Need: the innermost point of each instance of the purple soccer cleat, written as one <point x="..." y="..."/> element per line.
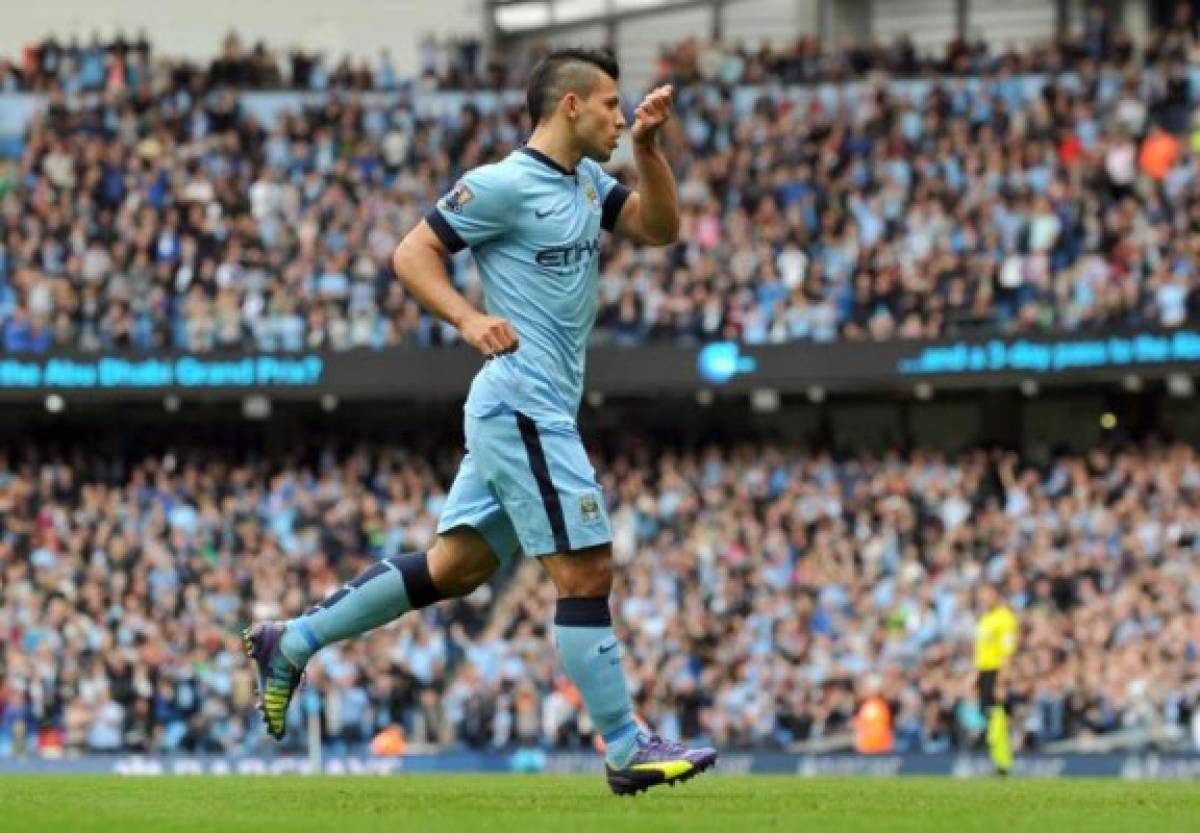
<point x="657" y="762"/>
<point x="277" y="676"/>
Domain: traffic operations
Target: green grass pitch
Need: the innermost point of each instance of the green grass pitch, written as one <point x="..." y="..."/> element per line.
<point x="582" y="804"/>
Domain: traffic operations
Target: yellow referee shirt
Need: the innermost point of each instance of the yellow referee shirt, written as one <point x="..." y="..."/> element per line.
<point x="995" y="638"/>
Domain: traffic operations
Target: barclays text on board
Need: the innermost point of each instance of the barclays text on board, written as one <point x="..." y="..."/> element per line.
<point x="999" y="355"/>
<point x="111" y="372"/>
<point x="1134" y="767"/>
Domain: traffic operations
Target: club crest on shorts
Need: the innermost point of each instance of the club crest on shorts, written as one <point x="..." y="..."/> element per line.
<point x="456" y="199"/>
<point x="589" y="508"/>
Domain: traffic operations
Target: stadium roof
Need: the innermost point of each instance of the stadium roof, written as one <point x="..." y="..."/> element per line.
<point x="529" y="16"/>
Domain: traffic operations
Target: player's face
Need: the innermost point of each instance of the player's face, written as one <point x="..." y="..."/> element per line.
<point x="600" y="121"/>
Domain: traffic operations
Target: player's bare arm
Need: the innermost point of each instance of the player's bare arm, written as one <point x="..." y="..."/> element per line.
<point x="420" y="263"/>
<point x="651" y="214"/>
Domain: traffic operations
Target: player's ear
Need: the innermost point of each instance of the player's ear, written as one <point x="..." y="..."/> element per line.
<point x="571" y="105"/>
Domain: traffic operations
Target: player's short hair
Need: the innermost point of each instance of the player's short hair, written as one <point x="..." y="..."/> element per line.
<point x="566" y="71"/>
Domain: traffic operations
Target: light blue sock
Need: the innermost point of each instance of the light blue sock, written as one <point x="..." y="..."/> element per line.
<point x="591" y="656"/>
<point x="378" y="595"/>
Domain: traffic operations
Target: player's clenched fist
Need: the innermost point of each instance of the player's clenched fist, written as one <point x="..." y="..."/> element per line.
<point x="489" y="335"/>
<point x="652" y="114"/>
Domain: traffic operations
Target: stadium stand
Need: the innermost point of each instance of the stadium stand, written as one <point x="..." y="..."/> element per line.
<point x="155" y="211"/>
<point x="763" y="588"/>
<point x="760" y="589"/>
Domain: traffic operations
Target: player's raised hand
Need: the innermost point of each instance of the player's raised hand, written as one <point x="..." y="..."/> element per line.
<point x="490" y="335"/>
<point x="652" y="114"/>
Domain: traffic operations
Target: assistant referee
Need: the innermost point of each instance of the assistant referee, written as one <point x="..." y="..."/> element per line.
<point x="995" y="642"/>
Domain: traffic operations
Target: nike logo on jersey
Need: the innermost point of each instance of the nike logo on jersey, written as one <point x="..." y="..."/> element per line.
<point x="542" y="215"/>
<point x="604" y="649"/>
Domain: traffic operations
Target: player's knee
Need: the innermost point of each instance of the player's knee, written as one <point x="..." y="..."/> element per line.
<point x="594" y="582"/>
<point x="585" y="573"/>
<point x="456" y="569"/>
<point x="464" y="583"/>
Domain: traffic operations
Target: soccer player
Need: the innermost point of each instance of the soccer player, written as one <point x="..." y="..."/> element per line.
<point x="532" y="222"/>
<point x="995" y="642"/>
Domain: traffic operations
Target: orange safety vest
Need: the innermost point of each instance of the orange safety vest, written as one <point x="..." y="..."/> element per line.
<point x="1159" y="152"/>
<point x="873" y="727"/>
<point x="389" y="743"/>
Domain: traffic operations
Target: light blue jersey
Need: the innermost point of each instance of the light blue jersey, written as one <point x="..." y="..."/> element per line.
<point x="526" y="483"/>
<point x="534" y="229"/>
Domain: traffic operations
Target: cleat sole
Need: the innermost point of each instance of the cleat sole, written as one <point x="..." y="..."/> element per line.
<point x="251" y="650"/>
<point x="625" y="785"/>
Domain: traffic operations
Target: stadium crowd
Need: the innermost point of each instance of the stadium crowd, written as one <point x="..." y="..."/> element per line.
<point x="160" y="211"/>
<point x="459" y="63"/>
<point x="124" y="63"/>
<point x="761" y="592"/>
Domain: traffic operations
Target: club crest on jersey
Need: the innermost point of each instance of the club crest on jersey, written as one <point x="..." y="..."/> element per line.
<point x="456" y="199"/>
<point x="589" y="509"/>
<point x="589" y="191"/>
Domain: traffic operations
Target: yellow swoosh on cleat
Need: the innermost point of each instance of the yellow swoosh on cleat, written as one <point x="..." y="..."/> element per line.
<point x="669" y="769"/>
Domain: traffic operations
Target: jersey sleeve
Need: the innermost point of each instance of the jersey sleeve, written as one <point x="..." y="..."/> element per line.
<point x="611" y="192"/>
<point x="477" y="209"/>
